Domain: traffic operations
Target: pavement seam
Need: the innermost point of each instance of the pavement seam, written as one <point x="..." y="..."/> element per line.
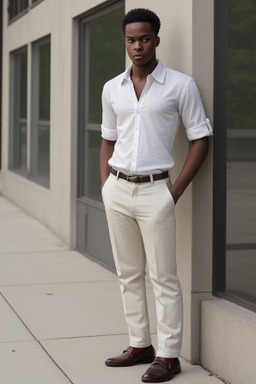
<point x="35" y="339"/>
<point x="58" y="283"/>
<point x="82" y="337"/>
<point x="12" y="308"/>
<point x="35" y="251"/>
<point x="55" y="362"/>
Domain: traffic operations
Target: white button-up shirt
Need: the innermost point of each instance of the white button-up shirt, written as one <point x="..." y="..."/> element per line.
<point x="145" y="129"/>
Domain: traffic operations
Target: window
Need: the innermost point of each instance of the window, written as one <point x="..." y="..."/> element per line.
<point x="235" y="256"/>
<point x="18" y="149"/>
<point x="241" y="151"/>
<point x="40" y="118"/>
<point x="17" y="7"/>
<point x="102" y="58"/>
<point x="30" y="145"/>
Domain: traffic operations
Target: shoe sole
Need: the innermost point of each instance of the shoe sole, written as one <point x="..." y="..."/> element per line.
<point x="161" y="381"/>
<point x="144" y="361"/>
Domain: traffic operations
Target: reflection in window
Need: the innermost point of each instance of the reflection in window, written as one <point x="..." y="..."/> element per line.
<point x="19" y="113"/>
<point x="105" y="58"/>
<point x="16" y="7"/>
<point x="40" y="128"/>
<point x="93" y="190"/>
<point x="241" y="152"/>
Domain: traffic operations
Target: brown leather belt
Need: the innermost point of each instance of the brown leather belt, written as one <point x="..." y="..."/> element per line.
<point x="140" y="179"/>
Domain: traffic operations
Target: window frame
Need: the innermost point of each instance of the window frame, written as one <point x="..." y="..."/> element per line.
<point x="220" y="156"/>
<point x="33" y="3"/>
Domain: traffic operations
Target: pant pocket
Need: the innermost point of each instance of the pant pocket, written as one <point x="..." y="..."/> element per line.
<point x="168" y="185"/>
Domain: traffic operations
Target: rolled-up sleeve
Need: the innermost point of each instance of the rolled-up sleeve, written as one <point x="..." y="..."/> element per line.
<point x="200" y="130"/>
<point x="192" y="113"/>
<point x="109" y="120"/>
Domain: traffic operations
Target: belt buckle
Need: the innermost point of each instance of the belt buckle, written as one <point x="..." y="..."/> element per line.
<point x="132" y="178"/>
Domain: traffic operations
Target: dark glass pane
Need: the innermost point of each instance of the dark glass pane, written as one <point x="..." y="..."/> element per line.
<point x="105" y="44"/>
<point x="107" y="58"/>
<point x="23" y="85"/>
<point x="241" y="151"/>
<point x="93" y="161"/>
<point x="20" y="147"/>
<point x="43" y="166"/>
<point x="44" y="82"/>
<point x="40" y="129"/>
<point x="24" y="4"/>
<point x="13" y="9"/>
<point x="19" y="113"/>
<point x="16" y="7"/>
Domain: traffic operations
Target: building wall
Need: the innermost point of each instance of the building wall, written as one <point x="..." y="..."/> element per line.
<point x="228" y="334"/>
<point x="187" y="45"/>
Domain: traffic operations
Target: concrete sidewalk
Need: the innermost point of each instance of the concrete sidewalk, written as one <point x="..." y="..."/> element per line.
<point x="61" y="314"/>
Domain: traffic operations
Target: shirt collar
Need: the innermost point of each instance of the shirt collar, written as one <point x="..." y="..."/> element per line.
<point x="158" y="74"/>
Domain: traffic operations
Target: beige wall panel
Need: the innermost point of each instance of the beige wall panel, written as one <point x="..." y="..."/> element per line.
<point x="18" y="189"/>
<point x="203" y="69"/>
<point x="228" y="341"/>
<point x="81" y="6"/>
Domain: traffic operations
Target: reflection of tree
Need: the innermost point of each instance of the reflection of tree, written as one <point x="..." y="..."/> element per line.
<point x="242" y="64"/>
<point x="44" y="79"/>
<point x="107" y="57"/>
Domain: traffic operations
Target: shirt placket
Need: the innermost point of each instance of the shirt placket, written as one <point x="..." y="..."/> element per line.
<point x="136" y="137"/>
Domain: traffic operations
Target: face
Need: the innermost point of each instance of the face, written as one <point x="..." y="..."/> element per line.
<point x="141" y="42"/>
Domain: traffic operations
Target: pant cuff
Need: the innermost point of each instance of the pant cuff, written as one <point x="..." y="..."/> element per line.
<point x="140" y="345"/>
<point x="167" y="355"/>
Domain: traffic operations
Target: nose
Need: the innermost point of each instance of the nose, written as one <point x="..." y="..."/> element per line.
<point x="137" y="46"/>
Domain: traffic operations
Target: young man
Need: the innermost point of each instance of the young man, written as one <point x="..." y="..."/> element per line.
<point x="142" y="110"/>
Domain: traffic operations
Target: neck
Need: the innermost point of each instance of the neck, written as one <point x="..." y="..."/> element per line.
<point x="142" y="71"/>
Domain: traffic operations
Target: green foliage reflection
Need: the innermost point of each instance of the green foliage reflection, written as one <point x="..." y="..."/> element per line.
<point x="242" y="64"/>
<point x="106" y="57"/>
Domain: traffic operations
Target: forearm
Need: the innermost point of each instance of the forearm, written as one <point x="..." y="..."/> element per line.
<point x="106" y="151"/>
<point x="194" y="160"/>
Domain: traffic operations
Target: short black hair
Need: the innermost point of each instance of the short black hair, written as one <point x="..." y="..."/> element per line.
<point x="142" y="14"/>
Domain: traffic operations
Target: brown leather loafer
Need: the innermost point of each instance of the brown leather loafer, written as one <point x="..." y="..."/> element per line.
<point x="132" y="356"/>
<point x="161" y="369"/>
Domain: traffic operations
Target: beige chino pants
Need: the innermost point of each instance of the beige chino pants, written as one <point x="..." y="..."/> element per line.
<point x="141" y="224"/>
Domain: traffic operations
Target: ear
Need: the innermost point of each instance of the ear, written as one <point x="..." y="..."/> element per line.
<point x="157" y="41"/>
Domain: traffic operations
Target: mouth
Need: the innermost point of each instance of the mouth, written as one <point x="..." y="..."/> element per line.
<point x="138" y="57"/>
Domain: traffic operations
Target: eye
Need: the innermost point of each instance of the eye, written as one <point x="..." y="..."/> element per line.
<point x="145" y="39"/>
<point x="129" y="41"/>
